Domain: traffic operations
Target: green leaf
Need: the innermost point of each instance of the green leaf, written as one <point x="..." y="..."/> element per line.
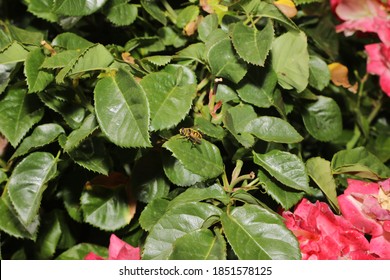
<point x="320" y="171"/>
<point x="185" y="16"/>
<point x="154" y="10"/>
<point x="19" y="112"/>
<point x="24" y="36"/>
<point x="207" y="26"/>
<point x="49" y="236"/>
<point x="273" y="129"/>
<point x="159" y="60"/>
<point x="122" y="110"/>
<point x="60" y="60"/>
<point x="322" y="119"/>
<point x="359" y="162"/>
<point x="37" y="80"/>
<point x="300" y="2"/>
<point x="27" y="183"/>
<point x="6" y="71"/>
<point x="175" y="223"/>
<point x="201" y="244"/>
<point x="178" y="174"/>
<point x="194" y="194"/>
<point x="319" y="75"/>
<point x="170" y="94"/>
<point x="96" y="57"/>
<point x="269" y="10"/>
<point x="122" y="14"/>
<point x="252" y="45"/>
<point x="257" y="234"/>
<point x="193" y="52"/>
<point x="71" y="41"/>
<point x="287" y="168"/>
<point x="283" y="195"/>
<point x="259" y="88"/>
<point x="210" y="129"/>
<point x="290" y="60"/>
<point x="43" y="9"/>
<point x="77" y="7"/>
<point x="222" y="58"/>
<point x="80" y="251"/>
<point x="42" y="135"/>
<point x="10" y="223"/>
<point x="107" y="209"/>
<point x="14" y="52"/>
<point x="153" y="213"/>
<point x="203" y="159"/>
<point x="236" y="119"/>
<point x="88" y="126"/>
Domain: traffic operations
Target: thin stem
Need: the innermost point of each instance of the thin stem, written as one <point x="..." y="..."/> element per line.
<point x="171" y="12"/>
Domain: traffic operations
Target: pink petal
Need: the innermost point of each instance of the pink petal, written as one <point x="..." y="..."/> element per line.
<point x="120" y="250"/>
<point x="380" y="246"/>
<point x="384" y="82"/>
<point x="93" y="256"/>
<point x="385" y="185"/>
<point x="362" y="187"/>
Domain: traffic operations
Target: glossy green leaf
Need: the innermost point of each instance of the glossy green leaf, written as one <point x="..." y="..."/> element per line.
<point x="320" y="171"/>
<point x="77" y="7"/>
<point x="222" y="58"/>
<point x="360" y="162"/>
<point x="287" y="168"/>
<point x="11" y="224"/>
<point x="236" y="119"/>
<point x="49" y="236"/>
<point x="258" y="88"/>
<point x="201" y="244"/>
<point x="71" y="41"/>
<point x="269" y="10"/>
<point x="153" y="213"/>
<point x="122" y="110"/>
<point x="37" y="79"/>
<point x="175" y="223"/>
<point x="43" y="9"/>
<point x="27" y="183"/>
<point x="283" y="195"/>
<point x="257" y="234"/>
<point x="14" y="52"/>
<point x="6" y="71"/>
<point x="273" y="129"/>
<point x="319" y="75"/>
<point x="215" y="192"/>
<point x="208" y="128"/>
<point x="122" y="14"/>
<point x="290" y="60"/>
<point x="107" y="209"/>
<point x="88" y="126"/>
<point x="19" y="111"/>
<point x="251" y="44"/>
<point x="203" y="159"/>
<point x="170" y="95"/>
<point x="322" y="119"/>
<point x="42" y="135"/>
<point x="154" y="10"/>
<point x="80" y="251"/>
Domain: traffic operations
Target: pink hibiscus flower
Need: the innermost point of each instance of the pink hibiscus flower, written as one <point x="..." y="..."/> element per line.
<point x="118" y="250"/>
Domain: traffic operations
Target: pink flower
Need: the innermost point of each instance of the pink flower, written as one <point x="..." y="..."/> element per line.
<point x="325" y="236"/>
<point x="118" y="250"/>
<point x="363" y="15"/>
<point x="378" y="63"/>
<point x="367" y="207"/>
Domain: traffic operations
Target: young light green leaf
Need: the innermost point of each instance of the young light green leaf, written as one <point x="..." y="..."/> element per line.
<point x="257" y="234"/>
<point x="265" y="9"/>
<point x="14" y="52"/>
<point x="222" y="59"/>
<point x="170" y="94"/>
<point x="287" y="168"/>
<point x="175" y="223"/>
<point x="122" y="14"/>
<point x="100" y="205"/>
<point x="273" y="129"/>
<point x="283" y="195"/>
<point x="322" y="119"/>
<point x="37" y="80"/>
<point x="42" y="135"/>
<point x="28" y="182"/>
<point x="203" y="159"/>
<point x="252" y="45"/>
<point x="11" y="224"/>
<point x="290" y="60"/>
<point x="122" y="110"/>
<point x="77" y="7"/>
<point x="319" y="75"/>
<point x="359" y="162"/>
<point x="201" y="244"/>
<point x="154" y="10"/>
<point x="320" y="171"/>
<point x="194" y="194"/>
<point x="19" y="111"/>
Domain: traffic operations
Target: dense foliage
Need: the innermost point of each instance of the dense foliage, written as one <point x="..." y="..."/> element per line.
<point x="93" y="97"/>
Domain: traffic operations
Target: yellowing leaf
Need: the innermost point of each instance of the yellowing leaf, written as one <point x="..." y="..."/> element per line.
<point x="287" y="7"/>
<point x="213" y="7"/>
<point x="339" y="76"/>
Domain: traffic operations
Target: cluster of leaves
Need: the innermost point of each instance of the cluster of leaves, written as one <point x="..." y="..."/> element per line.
<point x="93" y="95"/>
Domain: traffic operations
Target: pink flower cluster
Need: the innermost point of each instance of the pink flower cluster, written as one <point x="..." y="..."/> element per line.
<point x="365" y="209"/>
<point x="117" y="250"/>
<point x="368" y="16"/>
